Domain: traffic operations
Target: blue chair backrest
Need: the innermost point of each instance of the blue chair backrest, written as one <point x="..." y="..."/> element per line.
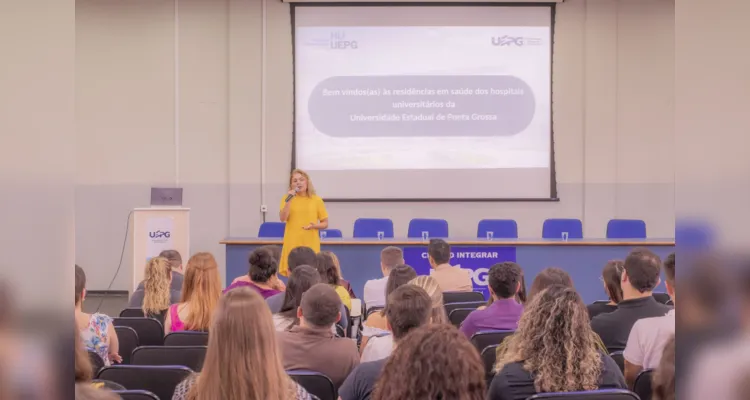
<point x="271" y="230"/>
<point x="369" y="227"/>
<point x="436" y="228"/>
<point x="626" y="229"/>
<point x="500" y="228"/>
<point x="604" y="394"/>
<point x="553" y="228"/>
<point x="331" y="233"/>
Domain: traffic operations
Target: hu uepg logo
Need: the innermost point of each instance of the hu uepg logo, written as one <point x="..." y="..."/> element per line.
<point x="159" y="234"/>
<point x="339" y="41"/>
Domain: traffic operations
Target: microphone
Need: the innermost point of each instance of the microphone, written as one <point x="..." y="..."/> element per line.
<point x="289" y="197"/>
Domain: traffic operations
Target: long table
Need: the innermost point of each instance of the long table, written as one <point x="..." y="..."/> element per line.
<point x="360" y="258"/>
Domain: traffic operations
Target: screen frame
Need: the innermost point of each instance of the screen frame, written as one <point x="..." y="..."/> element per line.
<point x="553" y="173"/>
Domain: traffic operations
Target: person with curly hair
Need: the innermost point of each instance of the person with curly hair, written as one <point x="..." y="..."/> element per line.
<point x="154" y="294"/>
<point x="448" y="367"/>
<point x="553" y="350"/>
<point x="262" y="274"/>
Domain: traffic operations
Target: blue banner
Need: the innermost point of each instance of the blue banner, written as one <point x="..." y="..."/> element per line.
<point x="478" y="259"/>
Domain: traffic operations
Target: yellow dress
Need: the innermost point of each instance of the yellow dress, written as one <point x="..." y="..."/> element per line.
<point x="302" y="211"/>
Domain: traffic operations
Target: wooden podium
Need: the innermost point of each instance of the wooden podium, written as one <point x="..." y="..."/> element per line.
<point x="156" y="229"/>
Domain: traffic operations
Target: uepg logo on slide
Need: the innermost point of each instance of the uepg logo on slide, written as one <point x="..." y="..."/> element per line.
<point x="340" y="42"/>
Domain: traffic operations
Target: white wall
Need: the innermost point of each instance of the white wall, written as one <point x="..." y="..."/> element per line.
<point x="613" y="119"/>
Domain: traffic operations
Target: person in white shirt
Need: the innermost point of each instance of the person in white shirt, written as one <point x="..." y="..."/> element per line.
<point x="649" y="335"/>
<point x="374" y="292"/>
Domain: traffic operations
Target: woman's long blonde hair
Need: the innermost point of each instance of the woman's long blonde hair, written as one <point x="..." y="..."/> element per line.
<point x="431" y="286"/>
<point x="243" y="360"/>
<point x="201" y="290"/>
<point x="554" y="341"/>
<point x="310" y="187"/>
<point x="156" y="286"/>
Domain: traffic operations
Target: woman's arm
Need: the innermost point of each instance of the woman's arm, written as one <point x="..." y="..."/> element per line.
<point x="323" y="224"/>
<point x="168" y="321"/>
<point x="114" y="344"/>
<point x="284" y="210"/>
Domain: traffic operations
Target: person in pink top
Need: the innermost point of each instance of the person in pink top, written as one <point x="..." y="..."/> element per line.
<point x="200" y="294"/>
<point x="262" y="274"/>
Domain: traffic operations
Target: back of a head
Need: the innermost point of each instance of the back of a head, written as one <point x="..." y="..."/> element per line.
<point x="80" y="284"/>
<point x="407" y="308"/>
<point x="201" y="289"/>
<point x="504" y="278"/>
<point x="173" y="256"/>
<point x="242" y="342"/>
<point x="612" y="276"/>
<point x="335" y="260"/>
<point x="449" y="367"/>
<point x="643" y="268"/>
<point x="275" y="251"/>
<point x="548" y="277"/>
<point x="327" y="269"/>
<point x="440" y="251"/>
<point x="553" y="333"/>
<point x="669" y="268"/>
<point x="156" y="285"/>
<point x="401" y="274"/>
<point x="321" y="306"/>
<point x="262" y="265"/>
<point x="300" y="280"/>
<point x="301" y="255"/>
<point x="390" y="257"/>
<point x="431" y="286"/>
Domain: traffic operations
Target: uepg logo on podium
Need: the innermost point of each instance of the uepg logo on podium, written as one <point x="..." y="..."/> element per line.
<point x="159" y="234"/>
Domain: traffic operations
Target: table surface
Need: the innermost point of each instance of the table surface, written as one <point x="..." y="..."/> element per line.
<point x="462" y="241"/>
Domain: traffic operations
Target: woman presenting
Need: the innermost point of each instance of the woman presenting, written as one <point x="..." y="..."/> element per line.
<point x="304" y="213"/>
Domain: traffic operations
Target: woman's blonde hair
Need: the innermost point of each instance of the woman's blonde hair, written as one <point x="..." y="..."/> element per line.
<point x="201" y="289"/>
<point x="555" y="343"/>
<point x="336" y="262"/>
<point x="156" y="286"/>
<point x="310" y="187"/>
<point x="243" y="360"/>
<point x="431" y="286"/>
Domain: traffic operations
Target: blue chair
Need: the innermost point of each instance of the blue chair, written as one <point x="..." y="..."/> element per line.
<point x="553" y="228"/>
<point x="331" y="233"/>
<point x="271" y="230"/>
<point x="369" y="227"/>
<point x="626" y="229"/>
<point x="604" y="394"/>
<point x="500" y="228"/>
<point x="436" y="228"/>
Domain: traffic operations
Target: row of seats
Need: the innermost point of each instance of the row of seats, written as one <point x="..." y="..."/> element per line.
<point x="554" y="228"/>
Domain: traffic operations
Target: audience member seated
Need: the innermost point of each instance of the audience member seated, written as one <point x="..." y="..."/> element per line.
<point x="297" y="256"/>
<point x="611" y="276"/>
<point x="521" y="296"/>
<point x="200" y="294"/>
<point x="175" y="263"/>
<point x="374" y="292"/>
<point x="96" y="330"/>
<point x="640" y="276"/>
<point x="82" y="364"/>
<point x="242" y="360"/>
<point x="154" y="294"/>
<point x="408" y="307"/>
<point x="399" y="275"/>
<point x="450" y="278"/>
<point x="435" y="361"/>
<point x="548" y="277"/>
<point x="328" y="274"/>
<point x="649" y="335"/>
<point x="344" y="282"/>
<point x="504" y="282"/>
<point x="311" y="345"/>
<point x="275" y="251"/>
<point x="302" y="278"/>
<point x="553" y="350"/>
<point x="431" y="286"/>
<point x="377" y="341"/>
<point x="663" y="381"/>
<point x="262" y="274"/>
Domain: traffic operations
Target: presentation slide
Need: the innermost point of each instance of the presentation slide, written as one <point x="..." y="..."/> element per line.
<point x="424" y="102"/>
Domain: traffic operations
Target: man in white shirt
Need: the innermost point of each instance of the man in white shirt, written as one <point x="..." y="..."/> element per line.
<point x="649" y="335"/>
<point x="374" y="293"/>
